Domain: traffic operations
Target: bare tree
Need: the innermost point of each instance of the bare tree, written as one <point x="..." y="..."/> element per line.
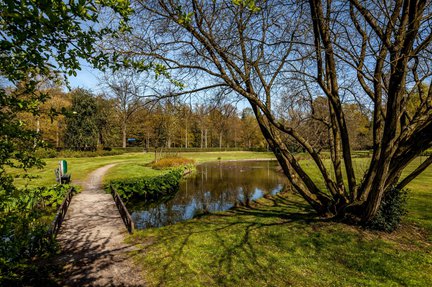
<point x="276" y="51"/>
<point x="126" y="88"/>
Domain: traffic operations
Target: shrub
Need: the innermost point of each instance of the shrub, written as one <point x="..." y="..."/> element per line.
<point x="25" y="217"/>
<point x="169" y="162"/>
<point x="148" y="188"/>
<point x="391" y="211"/>
<point x="46" y="153"/>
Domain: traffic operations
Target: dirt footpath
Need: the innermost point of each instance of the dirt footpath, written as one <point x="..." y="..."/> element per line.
<point x="92" y="240"/>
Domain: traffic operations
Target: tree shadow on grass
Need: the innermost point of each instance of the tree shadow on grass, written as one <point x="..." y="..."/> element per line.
<point x="233" y="235"/>
<point x="277" y="242"/>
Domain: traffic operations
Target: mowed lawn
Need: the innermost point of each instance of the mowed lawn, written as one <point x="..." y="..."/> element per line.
<point x="277" y="242"/>
<point x="280" y="243"/>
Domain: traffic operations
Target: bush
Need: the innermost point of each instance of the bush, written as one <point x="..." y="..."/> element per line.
<point x="169" y="162"/>
<point x="25" y="218"/>
<point x="391" y="211"/>
<point x="46" y="153"/>
<point x="148" y="188"/>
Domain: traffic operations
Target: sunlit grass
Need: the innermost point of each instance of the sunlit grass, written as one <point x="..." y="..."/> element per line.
<point x="279" y="243"/>
<point x="128" y="165"/>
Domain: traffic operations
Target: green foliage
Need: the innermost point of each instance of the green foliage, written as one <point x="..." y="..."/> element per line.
<point x="25" y="218"/>
<point x="391" y="211"/>
<point x="82" y="131"/>
<point x="148" y="188"/>
<point x="41" y="36"/>
<point x="249" y="4"/>
<point x="38" y="41"/>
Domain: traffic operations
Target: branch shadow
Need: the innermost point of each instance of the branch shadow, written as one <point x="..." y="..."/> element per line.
<point x="93" y="252"/>
<point x="241" y="249"/>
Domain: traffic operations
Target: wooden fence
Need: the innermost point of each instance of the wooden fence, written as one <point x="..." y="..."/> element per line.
<point x="61" y="213"/>
<point x="124" y="213"/>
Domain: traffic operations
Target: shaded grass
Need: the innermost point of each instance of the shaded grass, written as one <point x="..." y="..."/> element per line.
<point x="280" y="243"/>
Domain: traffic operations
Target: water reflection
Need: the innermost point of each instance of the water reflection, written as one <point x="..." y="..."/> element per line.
<point x="216" y="186"/>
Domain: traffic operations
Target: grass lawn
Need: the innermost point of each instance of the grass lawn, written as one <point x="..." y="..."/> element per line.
<point x="279" y="243"/>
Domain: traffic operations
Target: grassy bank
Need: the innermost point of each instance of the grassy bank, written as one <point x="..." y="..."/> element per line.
<point x="279" y="243"/>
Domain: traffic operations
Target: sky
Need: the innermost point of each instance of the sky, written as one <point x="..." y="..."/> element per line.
<point x="86" y="78"/>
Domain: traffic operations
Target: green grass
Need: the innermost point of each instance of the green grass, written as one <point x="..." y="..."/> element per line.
<point x="420" y="197"/>
<point x="279" y="243"/>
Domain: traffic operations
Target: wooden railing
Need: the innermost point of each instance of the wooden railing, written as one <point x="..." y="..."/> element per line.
<point x="61" y="213"/>
<point x="124" y="213"/>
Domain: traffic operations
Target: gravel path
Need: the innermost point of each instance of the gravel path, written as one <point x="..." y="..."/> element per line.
<point x="92" y="240"/>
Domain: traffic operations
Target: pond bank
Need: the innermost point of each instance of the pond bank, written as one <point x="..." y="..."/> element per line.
<point x="279" y="242"/>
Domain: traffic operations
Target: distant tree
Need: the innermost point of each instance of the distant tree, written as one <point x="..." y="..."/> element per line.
<point x="250" y="133"/>
<point x="184" y="114"/>
<point x="203" y="123"/>
<point x="81" y="123"/>
<point x="125" y="87"/>
<point x="141" y="126"/>
<point x="221" y="120"/>
<point x="106" y="121"/>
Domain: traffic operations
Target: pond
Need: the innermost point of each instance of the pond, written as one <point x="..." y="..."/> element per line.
<point x="215" y="186"/>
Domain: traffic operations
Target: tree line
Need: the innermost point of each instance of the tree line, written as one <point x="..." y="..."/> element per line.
<point x="86" y="121"/>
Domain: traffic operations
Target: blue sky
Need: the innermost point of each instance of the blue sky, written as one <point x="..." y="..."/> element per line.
<point x="86" y="78"/>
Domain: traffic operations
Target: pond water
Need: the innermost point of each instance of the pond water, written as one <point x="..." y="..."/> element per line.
<point x="216" y="186"/>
